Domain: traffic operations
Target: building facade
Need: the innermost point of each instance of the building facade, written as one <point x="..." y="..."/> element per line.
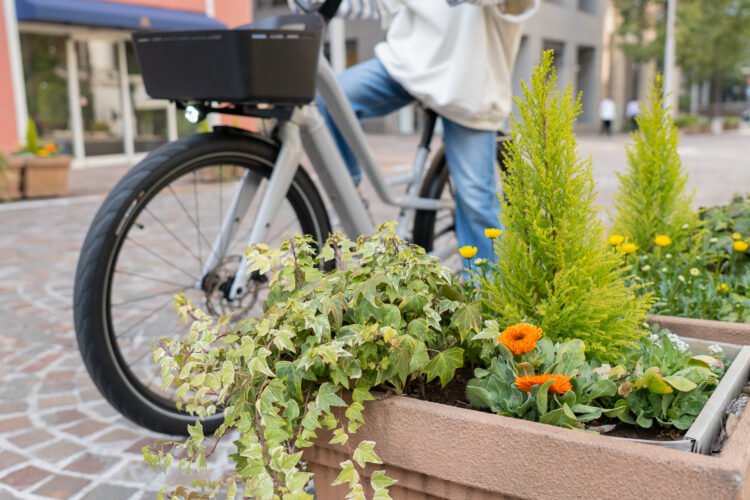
<point x="70" y="66"/>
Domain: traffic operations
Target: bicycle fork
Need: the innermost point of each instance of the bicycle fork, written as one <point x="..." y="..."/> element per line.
<point x="305" y="131"/>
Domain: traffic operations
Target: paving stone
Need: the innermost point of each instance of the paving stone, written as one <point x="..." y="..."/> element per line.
<point x="63" y="416"/>
<point x="13" y="407"/>
<point x="25" y="477"/>
<point x="90" y="463"/>
<point x="14" y="424"/>
<point x="9" y="459"/>
<point x="86" y="427"/>
<point x="31" y="438"/>
<point x="112" y="492"/>
<point x="116" y="435"/>
<point x="61" y="487"/>
<point x="55" y="401"/>
<point x="58" y="451"/>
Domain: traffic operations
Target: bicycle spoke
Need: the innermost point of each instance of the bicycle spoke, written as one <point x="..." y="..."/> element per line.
<point x="146" y="297"/>
<point x="140" y="321"/>
<point x="143" y="276"/>
<point x="162" y="258"/>
<point x="182" y="243"/>
<point x="197" y="227"/>
<point x="198" y="218"/>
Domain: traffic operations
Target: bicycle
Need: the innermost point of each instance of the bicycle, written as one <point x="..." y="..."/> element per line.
<point x="133" y="246"/>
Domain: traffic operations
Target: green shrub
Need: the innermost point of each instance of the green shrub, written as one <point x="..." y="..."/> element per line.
<point x="652" y="199"/>
<point x="553" y="269"/>
<point x="32" y="138"/>
<point x="685" y="121"/>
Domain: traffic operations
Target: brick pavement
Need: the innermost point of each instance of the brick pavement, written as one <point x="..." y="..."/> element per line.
<point x="58" y="437"/>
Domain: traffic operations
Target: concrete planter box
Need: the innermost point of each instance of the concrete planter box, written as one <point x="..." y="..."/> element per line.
<point x="13" y="179"/>
<point x="443" y="452"/>
<point x="46" y="176"/>
<point x="715" y="331"/>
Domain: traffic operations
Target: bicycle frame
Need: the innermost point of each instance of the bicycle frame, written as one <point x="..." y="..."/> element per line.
<point x="306" y="132"/>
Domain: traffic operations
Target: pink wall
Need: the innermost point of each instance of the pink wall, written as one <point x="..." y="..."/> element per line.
<point x="8" y="136"/>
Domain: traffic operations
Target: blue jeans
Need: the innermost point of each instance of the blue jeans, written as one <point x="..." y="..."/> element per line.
<point x="470" y="153"/>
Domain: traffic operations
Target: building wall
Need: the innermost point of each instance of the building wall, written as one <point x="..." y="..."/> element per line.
<point x="8" y="135"/>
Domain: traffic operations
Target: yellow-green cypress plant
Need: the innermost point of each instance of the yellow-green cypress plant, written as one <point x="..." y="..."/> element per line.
<point x="653" y="198"/>
<point x="553" y="268"/>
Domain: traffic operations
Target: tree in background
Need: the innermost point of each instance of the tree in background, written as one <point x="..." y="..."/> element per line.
<point x="713" y="42"/>
<point x="713" y="38"/>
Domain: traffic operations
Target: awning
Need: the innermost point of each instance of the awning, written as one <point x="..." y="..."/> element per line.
<point x="112" y="15"/>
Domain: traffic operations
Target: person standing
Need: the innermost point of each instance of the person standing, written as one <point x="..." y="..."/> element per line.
<point x="632" y="111"/>
<point x="607" y="114"/>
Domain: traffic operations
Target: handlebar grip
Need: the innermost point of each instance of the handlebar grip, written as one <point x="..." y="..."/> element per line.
<point x="329" y="8"/>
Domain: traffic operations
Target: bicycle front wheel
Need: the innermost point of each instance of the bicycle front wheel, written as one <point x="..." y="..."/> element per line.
<point x="151" y="240"/>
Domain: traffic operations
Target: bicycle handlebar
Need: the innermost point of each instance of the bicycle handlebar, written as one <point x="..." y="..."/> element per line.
<point x="329" y="8"/>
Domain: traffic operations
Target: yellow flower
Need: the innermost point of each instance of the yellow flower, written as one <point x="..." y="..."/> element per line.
<point x="43" y="153"/>
<point x="492" y="232"/>
<point x="627" y="248"/>
<point x="467" y="252"/>
<point x="740" y="246"/>
<point x="662" y="240"/>
<point x="736" y="236"/>
<point x="615" y="239"/>
<point x="723" y="288"/>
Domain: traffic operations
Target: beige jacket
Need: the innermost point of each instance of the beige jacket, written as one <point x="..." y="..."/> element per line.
<point x="457" y="60"/>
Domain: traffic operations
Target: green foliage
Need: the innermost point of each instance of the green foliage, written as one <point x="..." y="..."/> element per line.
<point x="495" y="388"/>
<point x="711" y="282"/>
<point x="665" y="383"/>
<point x="553" y="269"/>
<point x="32" y="138"/>
<point x="652" y="198"/>
<point x="712" y="37"/>
<point x="659" y="381"/>
<point x="387" y="315"/>
<point x="691" y="121"/>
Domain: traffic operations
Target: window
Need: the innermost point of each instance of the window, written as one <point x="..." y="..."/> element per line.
<point x="590" y="6"/>
<point x="46" y="74"/>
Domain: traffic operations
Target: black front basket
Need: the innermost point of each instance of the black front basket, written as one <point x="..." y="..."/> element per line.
<point x="271" y="61"/>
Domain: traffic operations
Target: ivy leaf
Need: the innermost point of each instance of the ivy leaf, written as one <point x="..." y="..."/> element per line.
<point x="361" y="395"/>
<point x="419" y="357"/>
<point x="328" y="397"/>
<point x="339" y="437"/>
<point x="365" y="454"/>
<point x="444" y="365"/>
<point x="348" y="474"/>
<point x="380" y="481"/>
<point x="468" y="319"/>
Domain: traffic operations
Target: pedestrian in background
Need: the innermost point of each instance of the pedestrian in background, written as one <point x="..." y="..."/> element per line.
<point x="631" y="112"/>
<point x="607" y="114"/>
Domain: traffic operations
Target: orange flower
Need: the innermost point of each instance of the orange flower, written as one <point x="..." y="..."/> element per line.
<point x="561" y="383"/>
<point x="520" y="338"/>
<point x="50" y="147"/>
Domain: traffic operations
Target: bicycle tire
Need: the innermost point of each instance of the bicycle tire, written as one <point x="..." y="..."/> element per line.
<point x="434" y="183"/>
<point x="100" y="251"/>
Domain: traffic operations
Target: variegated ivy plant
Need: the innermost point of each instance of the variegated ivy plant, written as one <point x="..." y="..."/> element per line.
<point x="387" y="315"/>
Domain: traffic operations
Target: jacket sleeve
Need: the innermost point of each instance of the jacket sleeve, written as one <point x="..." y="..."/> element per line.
<point x="349" y="9"/>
